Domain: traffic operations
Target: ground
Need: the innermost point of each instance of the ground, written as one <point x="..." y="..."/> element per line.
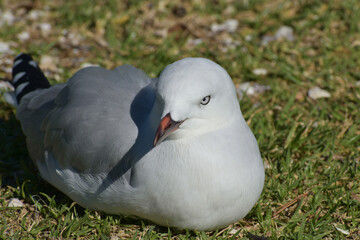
<point x="299" y="61"/>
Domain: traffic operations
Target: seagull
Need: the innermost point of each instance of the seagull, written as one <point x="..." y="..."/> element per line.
<point x="175" y="150"/>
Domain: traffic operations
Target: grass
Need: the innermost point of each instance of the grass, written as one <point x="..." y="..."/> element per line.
<point x="310" y="147"/>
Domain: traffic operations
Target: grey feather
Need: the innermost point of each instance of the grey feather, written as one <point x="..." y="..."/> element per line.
<point x="71" y="121"/>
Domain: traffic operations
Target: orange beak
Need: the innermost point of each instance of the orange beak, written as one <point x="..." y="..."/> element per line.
<point x="166" y="126"/>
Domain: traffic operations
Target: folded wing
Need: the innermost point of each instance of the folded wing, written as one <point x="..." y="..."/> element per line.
<point x="88" y="123"/>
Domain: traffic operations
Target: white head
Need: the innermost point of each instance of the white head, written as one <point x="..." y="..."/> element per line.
<point x="195" y="96"/>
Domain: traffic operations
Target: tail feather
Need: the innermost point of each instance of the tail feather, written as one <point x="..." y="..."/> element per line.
<point x="27" y="76"/>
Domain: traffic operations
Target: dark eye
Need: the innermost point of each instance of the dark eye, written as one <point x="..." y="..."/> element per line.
<point x="205" y="100"/>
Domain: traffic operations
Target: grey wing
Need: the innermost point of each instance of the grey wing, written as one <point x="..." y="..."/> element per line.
<point x="87" y="123"/>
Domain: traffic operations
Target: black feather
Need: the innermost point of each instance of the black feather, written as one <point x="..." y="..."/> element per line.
<point x="30" y="73"/>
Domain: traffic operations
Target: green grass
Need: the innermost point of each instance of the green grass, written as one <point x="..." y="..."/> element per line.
<point x="310" y="147"/>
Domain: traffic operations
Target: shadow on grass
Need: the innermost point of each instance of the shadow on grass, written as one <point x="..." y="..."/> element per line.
<point x="16" y="167"/>
<point x="13" y="152"/>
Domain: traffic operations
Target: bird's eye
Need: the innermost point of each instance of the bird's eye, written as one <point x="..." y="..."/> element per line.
<point x="205" y="100"/>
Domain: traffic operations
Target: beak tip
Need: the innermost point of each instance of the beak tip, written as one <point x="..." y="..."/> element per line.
<point x="166" y="126"/>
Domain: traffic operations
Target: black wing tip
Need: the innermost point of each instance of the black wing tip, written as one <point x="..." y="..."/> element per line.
<point x="27" y="76"/>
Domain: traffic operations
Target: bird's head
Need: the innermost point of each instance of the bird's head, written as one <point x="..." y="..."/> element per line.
<point x="195" y="96"/>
